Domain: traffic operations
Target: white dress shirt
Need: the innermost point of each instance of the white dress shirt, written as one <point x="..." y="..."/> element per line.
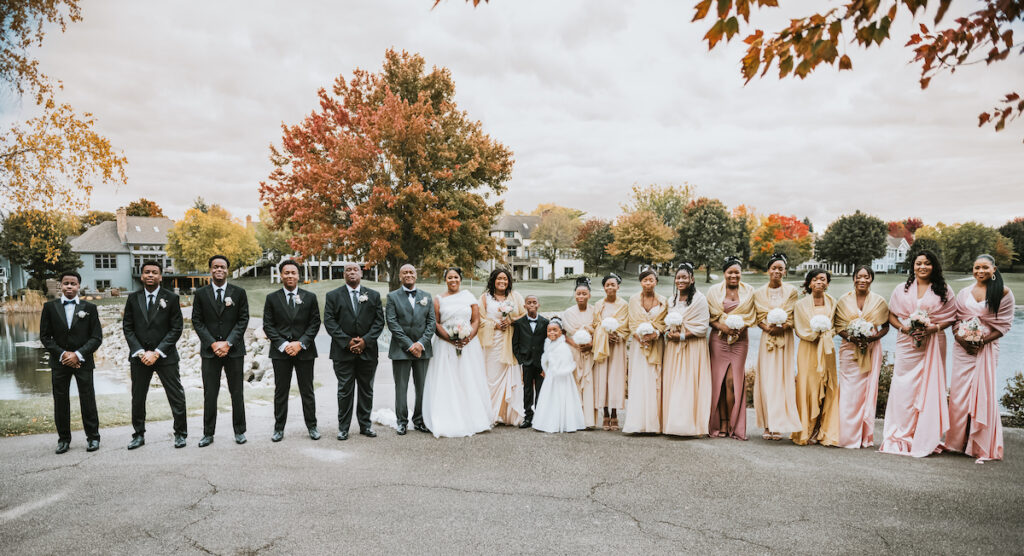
<point x="156" y="299"/>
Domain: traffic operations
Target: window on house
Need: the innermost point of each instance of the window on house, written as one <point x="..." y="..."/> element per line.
<point x="106" y="261"/>
<point x="102" y="285"/>
<point x="511" y="251"/>
<point x="568" y="271"/>
<point x="509" y="234"/>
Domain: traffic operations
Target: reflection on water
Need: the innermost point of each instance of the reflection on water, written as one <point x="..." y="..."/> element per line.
<point x="24" y="370"/>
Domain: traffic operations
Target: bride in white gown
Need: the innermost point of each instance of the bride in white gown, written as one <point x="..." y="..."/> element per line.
<point x="456" y="399"/>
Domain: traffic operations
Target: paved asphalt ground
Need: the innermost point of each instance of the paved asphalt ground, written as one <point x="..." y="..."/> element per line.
<point x="503" y="491"/>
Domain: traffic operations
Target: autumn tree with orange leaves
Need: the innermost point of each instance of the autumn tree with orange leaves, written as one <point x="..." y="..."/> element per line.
<point x="780" y="234"/>
<point x="388" y="170"/>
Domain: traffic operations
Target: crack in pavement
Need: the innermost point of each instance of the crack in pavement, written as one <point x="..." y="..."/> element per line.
<point x="45" y="470"/>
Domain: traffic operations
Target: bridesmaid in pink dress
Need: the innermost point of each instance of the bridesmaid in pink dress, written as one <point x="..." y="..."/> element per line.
<point x="974" y="424"/>
<point x="917" y="413"/>
<point x="728" y="348"/>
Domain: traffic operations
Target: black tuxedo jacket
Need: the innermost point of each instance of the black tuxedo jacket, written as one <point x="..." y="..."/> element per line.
<point x="84" y="336"/>
<point x="218" y="322"/>
<point x="528" y="346"/>
<point x="343" y="324"/>
<point x="283" y="324"/>
<point x="159" y="328"/>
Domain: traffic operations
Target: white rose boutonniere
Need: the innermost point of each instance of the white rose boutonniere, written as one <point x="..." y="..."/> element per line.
<point x="228" y="302"/>
<point x="163" y="303"/>
<point x="424" y="301"/>
<point x="363" y="297"/>
<point x="298" y="300"/>
<point x="82" y="314"/>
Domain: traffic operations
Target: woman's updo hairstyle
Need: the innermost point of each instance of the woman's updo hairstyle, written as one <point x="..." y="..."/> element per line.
<point x="582" y="282"/>
<point x="648" y="271"/>
<point x="811" y="274"/>
<point x="731" y="261"/>
<point x="612" y="276"/>
<point x="778" y="257"/>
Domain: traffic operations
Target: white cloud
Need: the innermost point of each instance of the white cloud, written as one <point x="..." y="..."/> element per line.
<point x="592" y="96"/>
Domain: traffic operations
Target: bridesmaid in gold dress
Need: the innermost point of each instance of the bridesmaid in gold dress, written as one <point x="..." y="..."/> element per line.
<point x="643" y="414"/>
<point x="581" y="317"/>
<point x="610" y="352"/>
<point x="686" y="367"/>
<point x="504" y="375"/>
<point x="728" y="348"/>
<point x="817" y="388"/>
<point x="774" y="383"/>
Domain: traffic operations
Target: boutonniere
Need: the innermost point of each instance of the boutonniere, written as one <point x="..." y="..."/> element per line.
<point x="228" y="302"/>
<point x="163" y="303"/>
<point x="298" y="300"/>
<point x="423" y="301"/>
<point x="82" y="314"/>
<point x="363" y="297"/>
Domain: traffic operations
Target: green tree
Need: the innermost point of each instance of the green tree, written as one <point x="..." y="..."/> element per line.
<point x="92" y="218"/>
<point x="273" y="240"/>
<point x="144" y="207"/>
<point x="853" y="239"/>
<point x="593" y="236"/>
<point x="554" y="236"/>
<point x="807" y="222"/>
<point x="965" y="242"/>
<point x="706" y="235"/>
<point x="666" y="201"/>
<point x="201" y="205"/>
<point x="38" y="242"/>
<point x="641" y="237"/>
<point x="920" y="244"/>
<point x="201" y="235"/>
<point x="389" y="169"/>
<point x="797" y="251"/>
<point x="1014" y="231"/>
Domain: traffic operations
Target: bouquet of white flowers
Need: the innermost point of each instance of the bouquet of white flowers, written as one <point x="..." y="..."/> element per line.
<point x="505" y="308"/>
<point x="919" y="320"/>
<point x="646" y="328"/>
<point x="458" y="330"/>
<point x="582" y="337"/>
<point x="972" y="330"/>
<point x="673" y="320"/>
<point x="610" y="324"/>
<point x="820" y="323"/>
<point x="860" y="329"/>
<point x="735" y="323"/>
<point x="776" y="317"/>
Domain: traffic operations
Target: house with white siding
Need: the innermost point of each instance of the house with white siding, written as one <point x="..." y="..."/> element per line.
<point x="512" y="233"/>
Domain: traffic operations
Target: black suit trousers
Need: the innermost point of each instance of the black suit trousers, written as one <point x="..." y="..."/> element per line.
<point x="232" y="368"/>
<point x="171" y="381"/>
<point x="352" y="374"/>
<point x="532" y="382"/>
<point x="60" y="378"/>
<point x="401" y="369"/>
<point x="303" y="370"/>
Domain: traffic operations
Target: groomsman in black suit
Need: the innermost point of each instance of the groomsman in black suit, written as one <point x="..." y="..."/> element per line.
<point x="354" y="319"/>
<point x="152" y="325"/>
<point x="410" y="317"/>
<point x="291" y="320"/>
<point x="70" y="330"/>
<point x="220" y="315"/>
<point x="528" y="335"/>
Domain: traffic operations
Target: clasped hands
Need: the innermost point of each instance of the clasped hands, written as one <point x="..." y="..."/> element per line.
<point x="69" y="359"/>
<point x="220" y="349"/>
<point x="972" y="348"/>
<point x="646" y="339"/>
<point x="293" y="348"/>
<point x="503" y="323"/>
<point x="357" y="345"/>
<point x="149" y="358"/>
<point x="416" y="350"/>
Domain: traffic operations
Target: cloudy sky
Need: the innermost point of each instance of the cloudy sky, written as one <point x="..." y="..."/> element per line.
<point x="592" y="97"/>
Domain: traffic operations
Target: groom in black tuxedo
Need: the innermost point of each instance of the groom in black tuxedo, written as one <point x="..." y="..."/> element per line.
<point x="528" y="335"/>
<point x="220" y="315"/>
<point x="291" y="320"/>
<point x="69" y="329"/>
<point x="354" y="319"/>
<point x="152" y="325"/>
<point x="410" y="317"/>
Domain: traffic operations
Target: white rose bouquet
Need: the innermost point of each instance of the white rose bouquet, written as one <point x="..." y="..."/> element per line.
<point x="458" y="330"/>
<point x="919" y="320"/>
<point x="505" y="308"/>
<point x="734" y="323"/>
<point x="775" y="318"/>
<point x="582" y="337"/>
<point x="820" y="323"/>
<point x="610" y="324"/>
<point x="674" y="320"/>
<point x="859" y="330"/>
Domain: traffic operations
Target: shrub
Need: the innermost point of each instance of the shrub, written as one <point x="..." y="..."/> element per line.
<point x="1013" y="400"/>
<point x="748" y="385"/>
<point x="884" y="380"/>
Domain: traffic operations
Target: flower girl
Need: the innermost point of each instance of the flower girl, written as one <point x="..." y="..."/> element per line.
<point x="558" y="405"/>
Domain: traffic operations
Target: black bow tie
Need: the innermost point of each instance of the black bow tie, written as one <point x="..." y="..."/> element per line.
<point x="410" y="292"/>
<point x="69" y="302"/>
<point x="531" y="320"/>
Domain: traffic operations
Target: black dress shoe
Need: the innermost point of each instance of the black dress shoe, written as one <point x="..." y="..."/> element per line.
<point x="205" y="441"/>
<point x="526" y="424"/>
<point x="63" y="447"/>
<point x="277" y="436"/>
<point x="422" y="428"/>
<point x="93" y="446"/>
<point x="239" y="438"/>
<point x="179" y="441"/>
<point x="314" y="433"/>
<point x="402" y="429"/>
<point x="137" y="440"/>
<point x="342" y="435"/>
<point x="368" y="432"/>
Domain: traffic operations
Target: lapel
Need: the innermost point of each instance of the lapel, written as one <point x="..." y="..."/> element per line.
<point x="140" y="300"/>
<point x="74" y="315"/>
<point x="156" y="305"/>
<point x="402" y="303"/>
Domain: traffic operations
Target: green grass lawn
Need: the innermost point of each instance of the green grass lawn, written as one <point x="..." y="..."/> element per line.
<point x="35" y="415"/>
<point x="559" y="295"/>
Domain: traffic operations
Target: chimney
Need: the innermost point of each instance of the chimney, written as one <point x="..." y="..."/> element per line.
<point x="248" y="221"/>
<point x="122" y="224"/>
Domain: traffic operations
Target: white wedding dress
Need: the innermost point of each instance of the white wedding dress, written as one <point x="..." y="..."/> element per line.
<point x="456" y="400"/>
<point x="559" y="408"/>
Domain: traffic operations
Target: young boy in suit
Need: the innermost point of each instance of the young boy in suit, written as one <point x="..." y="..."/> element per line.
<point x="528" y="334"/>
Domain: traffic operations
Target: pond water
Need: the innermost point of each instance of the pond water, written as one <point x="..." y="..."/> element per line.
<point x="25" y="369"/>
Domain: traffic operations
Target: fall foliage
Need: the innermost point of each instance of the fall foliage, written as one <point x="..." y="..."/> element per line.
<point x="641" y="237"/>
<point x="783" y="234"/>
<point x="144" y="207"/>
<point x="796" y="49"/>
<point x="555" y="234"/>
<point x="390" y="171"/>
<point x="201" y="235"/>
<point x="38" y="241"/>
<point x="591" y="239"/>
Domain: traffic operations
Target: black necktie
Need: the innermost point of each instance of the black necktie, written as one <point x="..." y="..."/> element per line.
<point x="149" y="305"/>
<point x="355" y="301"/>
<point x="291" y="299"/>
<point x="220" y="293"/>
